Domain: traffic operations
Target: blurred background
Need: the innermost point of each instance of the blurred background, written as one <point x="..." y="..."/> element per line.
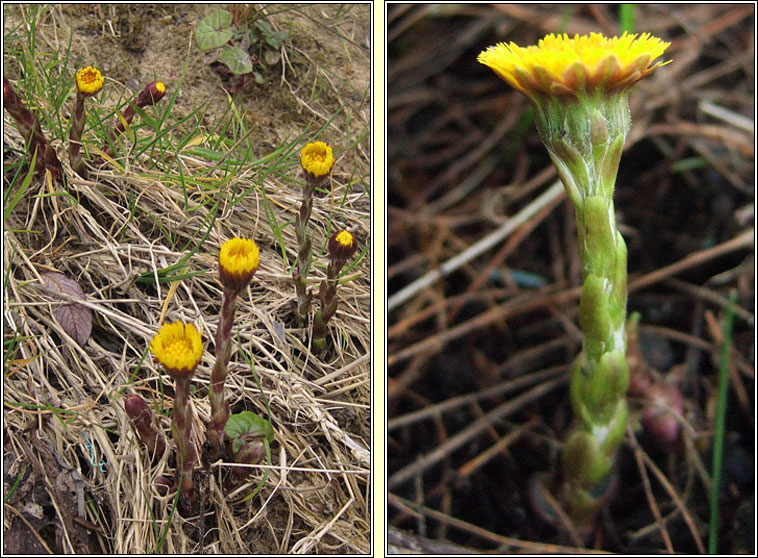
<point x="478" y="359"/>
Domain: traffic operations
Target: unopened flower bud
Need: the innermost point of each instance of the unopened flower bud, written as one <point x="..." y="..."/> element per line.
<point x="341" y="246"/>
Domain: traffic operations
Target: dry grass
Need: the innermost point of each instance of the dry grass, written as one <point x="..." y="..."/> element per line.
<point x="112" y="233"/>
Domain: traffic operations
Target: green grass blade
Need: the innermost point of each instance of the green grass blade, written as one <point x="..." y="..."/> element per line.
<point x="626" y="18"/>
<point x="719" y="433"/>
<point x="22" y="189"/>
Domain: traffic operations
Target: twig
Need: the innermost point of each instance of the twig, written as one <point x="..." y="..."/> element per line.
<point x="473" y="430"/>
<point x="507" y="542"/>
<point x="649" y="492"/>
<point x="494" y="238"/>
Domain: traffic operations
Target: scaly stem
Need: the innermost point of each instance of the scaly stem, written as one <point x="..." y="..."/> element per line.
<point x="585" y="139"/>
<point x="219" y="405"/>
<point x="600" y="375"/>
<point x="180" y="427"/>
<point x="328" y="298"/>
<point x="304" y="252"/>
<point x="75" y="136"/>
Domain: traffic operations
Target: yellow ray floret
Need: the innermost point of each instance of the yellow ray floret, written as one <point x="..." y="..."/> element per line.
<point x="238" y="261"/>
<point x="178" y="347"/>
<point x="89" y="80"/>
<point x="559" y="65"/>
<point x="317" y="159"/>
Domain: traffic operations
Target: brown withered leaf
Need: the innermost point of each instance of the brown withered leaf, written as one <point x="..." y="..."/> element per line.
<point x="75" y="319"/>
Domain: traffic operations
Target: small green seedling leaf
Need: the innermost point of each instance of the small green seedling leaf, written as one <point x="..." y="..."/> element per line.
<point x="247" y="423"/>
<point x="236" y="59"/>
<point x="213" y="30"/>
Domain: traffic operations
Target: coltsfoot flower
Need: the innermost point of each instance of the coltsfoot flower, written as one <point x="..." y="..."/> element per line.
<point x="89" y="80"/>
<point x="178" y="347"/>
<point x="562" y="66"/>
<point x="316" y="159"/>
<point x="341" y="247"/>
<point x="237" y="261"/>
<point x="579" y="89"/>
<point x="150" y="94"/>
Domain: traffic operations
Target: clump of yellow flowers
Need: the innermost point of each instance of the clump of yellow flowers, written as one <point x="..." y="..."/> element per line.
<point x="579" y="90"/>
<point x="178" y="347"/>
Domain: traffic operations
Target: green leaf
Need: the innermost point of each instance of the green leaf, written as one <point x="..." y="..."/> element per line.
<point x="247" y="423"/>
<point x="212" y="31"/>
<point x="236" y="59"/>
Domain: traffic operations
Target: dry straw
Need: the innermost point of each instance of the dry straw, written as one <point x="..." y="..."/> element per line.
<point x="316" y="499"/>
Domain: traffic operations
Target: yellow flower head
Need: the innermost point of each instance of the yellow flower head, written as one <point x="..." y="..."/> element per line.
<point x="341" y="246"/>
<point x="89" y="80"/>
<point x="316" y="159"/>
<point x="237" y="263"/>
<point x="178" y="347"/>
<point x="562" y="66"/>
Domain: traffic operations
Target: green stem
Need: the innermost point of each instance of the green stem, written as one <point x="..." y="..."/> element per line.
<point x="600" y="376"/>
<point x="718" y="437"/>
<point x="585" y="139"/>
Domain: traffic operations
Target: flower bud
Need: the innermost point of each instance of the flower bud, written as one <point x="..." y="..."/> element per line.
<point x="151" y="94"/>
<point x="341" y="246"/>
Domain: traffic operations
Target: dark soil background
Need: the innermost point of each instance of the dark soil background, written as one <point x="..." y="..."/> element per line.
<point x="463" y="156"/>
